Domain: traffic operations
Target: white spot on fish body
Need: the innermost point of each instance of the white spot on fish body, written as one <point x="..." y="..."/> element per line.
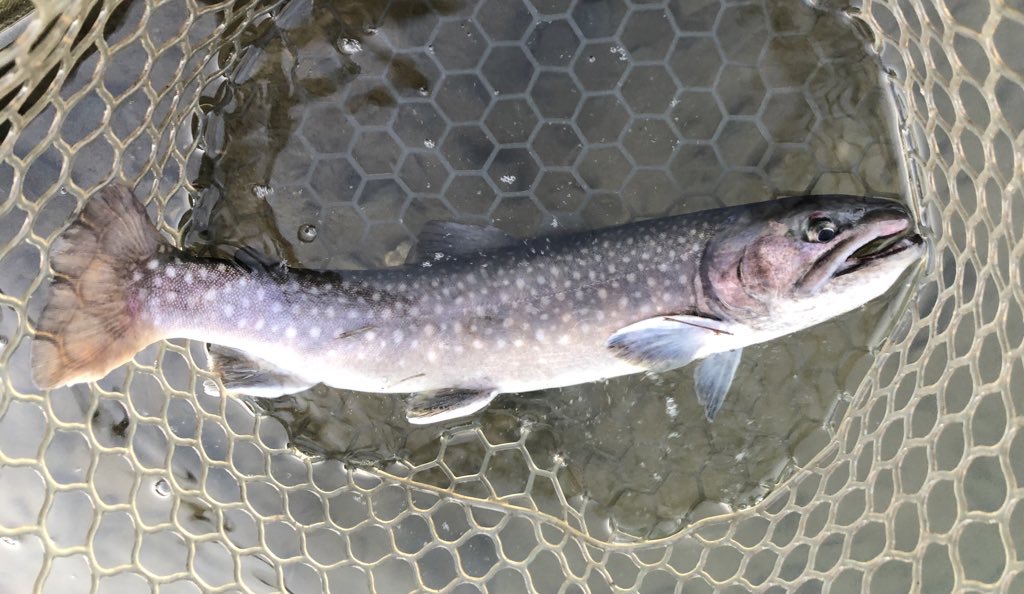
<point x="158" y="282"/>
<point x="478" y="344"/>
<point x="136" y="276"/>
<point x="290" y="332"/>
<point x="229" y="310"/>
<point x="153" y="264"/>
<point x="277" y="307"/>
<point x="172" y="296"/>
<point x="314" y="332"/>
<point x="431" y="356"/>
<point x="260" y="323"/>
<point x="171" y="271"/>
<point x="563" y="339"/>
<point x="330" y="311"/>
<point x="602" y="293"/>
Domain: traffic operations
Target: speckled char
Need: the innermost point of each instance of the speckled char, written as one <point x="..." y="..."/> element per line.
<point x="491" y="315"/>
<point x="529" y="316"/>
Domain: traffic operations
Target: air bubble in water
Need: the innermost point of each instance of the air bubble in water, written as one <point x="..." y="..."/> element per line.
<point x="162" y="488"/>
<point x="262" y="191"/>
<point x="351" y="46"/>
<point x="307" y="233"/>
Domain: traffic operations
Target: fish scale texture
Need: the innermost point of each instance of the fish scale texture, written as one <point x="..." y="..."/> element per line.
<point x="328" y="134"/>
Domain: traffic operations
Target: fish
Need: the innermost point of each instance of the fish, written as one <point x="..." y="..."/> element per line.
<point x="475" y="312"/>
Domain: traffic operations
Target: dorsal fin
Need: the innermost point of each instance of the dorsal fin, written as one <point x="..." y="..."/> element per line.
<point x="440" y="240"/>
<point x="253" y="260"/>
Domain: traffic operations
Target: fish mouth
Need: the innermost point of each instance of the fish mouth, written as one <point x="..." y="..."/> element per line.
<point x="878" y="248"/>
<point x="887" y="234"/>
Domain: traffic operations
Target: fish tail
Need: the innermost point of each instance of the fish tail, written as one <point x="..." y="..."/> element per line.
<point x="91" y="323"/>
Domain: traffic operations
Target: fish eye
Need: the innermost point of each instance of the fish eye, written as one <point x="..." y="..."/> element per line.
<point x="821" y="230"/>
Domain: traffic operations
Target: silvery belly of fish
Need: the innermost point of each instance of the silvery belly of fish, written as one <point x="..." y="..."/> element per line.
<point x="480" y="313"/>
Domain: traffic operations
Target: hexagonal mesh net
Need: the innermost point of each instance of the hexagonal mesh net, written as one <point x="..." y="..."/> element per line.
<point x="882" y="451"/>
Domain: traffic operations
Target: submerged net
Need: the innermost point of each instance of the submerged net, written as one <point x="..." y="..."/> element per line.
<point x="881" y="452"/>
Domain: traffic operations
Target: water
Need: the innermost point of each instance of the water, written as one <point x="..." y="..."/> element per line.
<point x="357" y="125"/>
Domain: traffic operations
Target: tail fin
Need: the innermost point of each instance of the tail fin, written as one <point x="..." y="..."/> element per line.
<point x="90" y="324"/>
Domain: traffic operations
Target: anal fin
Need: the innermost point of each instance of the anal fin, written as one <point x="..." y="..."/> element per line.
<point x="242" y="373"/>
<point x="435" y="407"/>
<point x="712" y="380"/>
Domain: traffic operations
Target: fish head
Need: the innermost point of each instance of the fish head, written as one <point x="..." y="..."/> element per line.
<point x="796" y="262"/>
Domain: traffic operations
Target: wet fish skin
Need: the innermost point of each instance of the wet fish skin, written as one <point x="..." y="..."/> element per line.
<point x="482" y="313"/>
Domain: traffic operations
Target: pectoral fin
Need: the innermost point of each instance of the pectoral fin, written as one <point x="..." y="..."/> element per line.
<point x="241" y="373"/>
<point x="713" y="378"/>
<point x="435" y="407"/>
<point x="665" y="342"/>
